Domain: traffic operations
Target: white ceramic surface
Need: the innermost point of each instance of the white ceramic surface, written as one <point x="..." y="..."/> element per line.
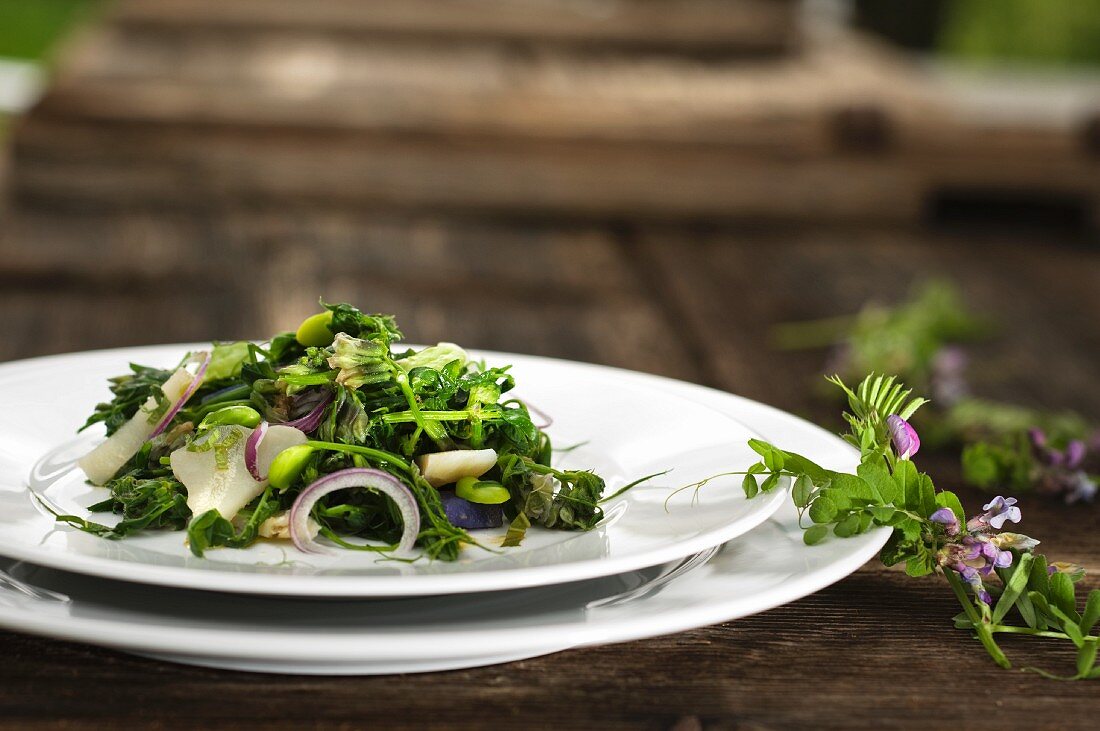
<point x="760" y="570"/>
<point x="626" y="427"/>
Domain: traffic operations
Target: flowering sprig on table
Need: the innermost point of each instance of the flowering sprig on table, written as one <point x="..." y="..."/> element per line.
<point x="1005" y="446"/>
<point x="1029" y="461"/>
<point x="1003" y="585"/>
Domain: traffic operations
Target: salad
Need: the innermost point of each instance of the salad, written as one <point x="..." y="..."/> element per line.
<point x="329" y="436"/>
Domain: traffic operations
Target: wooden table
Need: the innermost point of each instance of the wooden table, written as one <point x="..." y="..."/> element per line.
<point x="690" y="301"/>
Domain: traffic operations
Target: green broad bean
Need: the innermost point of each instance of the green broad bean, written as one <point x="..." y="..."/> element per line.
<point x="315" y="331"/>
<point x="232" y="416"/>
<point x="288" y="465"/>
<point x="484" y="492"/>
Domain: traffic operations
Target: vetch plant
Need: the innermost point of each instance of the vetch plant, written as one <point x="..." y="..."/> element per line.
<point x="1030" y="461"/>
<point x="1005" y="446"/>
<point x="1003" y="585"/>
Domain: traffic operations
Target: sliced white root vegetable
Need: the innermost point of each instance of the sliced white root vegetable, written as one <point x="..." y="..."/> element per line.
<point x="104" y="461"/>
<point x="230" y="489"/>
<point x="278" y="526"/>
<point x="443" y="468"/>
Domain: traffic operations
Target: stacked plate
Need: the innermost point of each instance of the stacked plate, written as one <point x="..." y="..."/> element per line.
<point x="663" y="561"/>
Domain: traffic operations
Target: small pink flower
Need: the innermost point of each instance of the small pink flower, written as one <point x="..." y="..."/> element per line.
<point x="905" y="439"/>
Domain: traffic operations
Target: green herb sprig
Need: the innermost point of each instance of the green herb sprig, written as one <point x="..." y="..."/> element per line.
<point x="1003" y="585"/>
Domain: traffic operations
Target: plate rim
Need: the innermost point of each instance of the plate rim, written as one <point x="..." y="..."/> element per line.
<point x="350" y="586"/>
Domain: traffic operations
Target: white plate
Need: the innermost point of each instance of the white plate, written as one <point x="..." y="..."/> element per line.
<point x="627" y="427"/>
<point x="763" y="569"/>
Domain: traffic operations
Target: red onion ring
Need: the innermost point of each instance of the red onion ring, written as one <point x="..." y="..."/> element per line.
<point x="378" y="480"/>
<point x="187" y="393"/>
<point x="252" y="448"/>
<point x="312" y="420"/>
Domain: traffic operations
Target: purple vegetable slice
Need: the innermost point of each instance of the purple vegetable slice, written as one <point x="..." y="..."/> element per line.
<point x="312" y="420"/>
<point x="465" y="514"/>
<point x="204" y="363"/>
<point x="252" y="449"/>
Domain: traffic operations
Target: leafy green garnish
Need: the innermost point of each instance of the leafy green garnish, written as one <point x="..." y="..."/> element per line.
<point x="159" y="502"/>
<point x="929" y="530"/>
<point x="226" y="360"/>
<point x="131" y="391"/>
<point x="349" y="320"/>
<point x="210" y="529"/>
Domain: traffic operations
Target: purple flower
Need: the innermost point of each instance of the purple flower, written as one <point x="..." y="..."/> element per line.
<point x="1037" y="437"/>
<point x="1074" y="454"/>
<point x="982" y="555"/>
<point x="997" y="511"/>
<point x="1059" y="472"/>
<point x="975" y="556"/>
<point x="905" y="439"/>
<point x="1001" y="509"/>
<point x="974" y="580"/>
<point x="1081" y="488"/>
<point x="947" y="518"/>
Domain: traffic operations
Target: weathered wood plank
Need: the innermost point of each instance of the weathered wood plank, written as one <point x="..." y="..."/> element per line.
<point x="839" y="133"/>
<point x="556" y="292"/>
<point x="810" y="103"/>
<point x="759" y="26"/>
<point x="730" y="289"/>
<point x="194" y="116"/>
<point x="105" y="165"/>
<point x="316" y="80"/>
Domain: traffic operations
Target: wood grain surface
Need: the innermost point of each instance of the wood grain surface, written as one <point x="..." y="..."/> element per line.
<point x="589" y="186"/>
<point x="876" y="650"/>
<point x="750" y="27"/>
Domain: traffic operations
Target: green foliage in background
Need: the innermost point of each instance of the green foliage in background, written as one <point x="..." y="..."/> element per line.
<point x="1056" y="31"/>
<point x="28" y="28"/>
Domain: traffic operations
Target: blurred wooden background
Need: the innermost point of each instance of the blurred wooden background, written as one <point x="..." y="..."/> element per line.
<point x="652" y="184"/>
<point x="647" y="183"/>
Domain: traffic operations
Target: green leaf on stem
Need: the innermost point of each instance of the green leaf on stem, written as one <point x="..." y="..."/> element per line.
<point x="1062" y="595"/>
<point x="905" y="477"/>
<point x="877" y="477"/>
<point x="823" y="510"/>
<point x="1091" y="614"/>
<point x="1014" y="587"/>
<point x="919" y="565"/>
<point x="1040" y="578"/>
<point x="1086" y="658"/>
<point x="750" y="486"/>
<point x="803" y="490"/>
<point x="847" y="527"/>
<point x="927" y="495"/>
<point x="815" y="534"/>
